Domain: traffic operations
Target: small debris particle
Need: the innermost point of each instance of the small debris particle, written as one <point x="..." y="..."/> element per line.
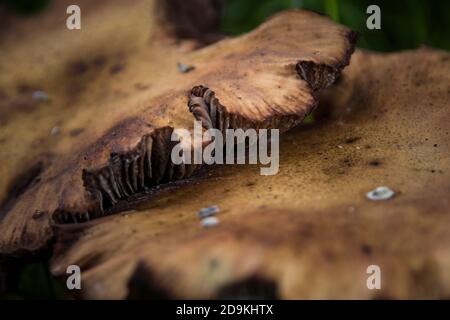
<point x="375" y="163"/>
<point x="209" y="211"/>
<point x="358" y="148"/>
<point x="140" y="86"/>
<point x="184" y="68"/>
<point x="340" y="147"/>
<point x="99" y="61"/>
<point x="214" y="263"/>
<point x="209" y="222"/>
<point x="55" y="131"/>
<point x="116" y="68"/>
<point x="351" y="139"/>
<point x="366" y="249"/>
<point x="380" y="193"/>
<point x="76" y="132"/>
<point x="78" y="67"/>
<point x="41" y="96"/>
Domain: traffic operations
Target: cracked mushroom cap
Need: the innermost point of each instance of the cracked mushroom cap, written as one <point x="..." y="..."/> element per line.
<point x="309" y="231"/>
<point x="102" y="139"/>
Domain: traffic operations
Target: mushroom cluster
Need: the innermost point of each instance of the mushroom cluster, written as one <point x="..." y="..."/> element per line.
<point x="103" y="193"/>
<point x="125" y="117"/>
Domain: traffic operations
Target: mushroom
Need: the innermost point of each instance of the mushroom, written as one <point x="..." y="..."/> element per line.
<point x="117" y="95"/>
<point x="309" y="231"/>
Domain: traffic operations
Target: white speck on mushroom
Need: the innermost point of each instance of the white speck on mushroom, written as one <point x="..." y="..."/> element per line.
<point x="209" y="222"/>
<point x="41" y="96"/>
<point x="184" y="68"/>
<point x="55" y="131"/>
<point x="358" y="148"/>
<point x="340" y="147"/>
<point x="209" y="211"/>
<point x="380" y="193"/>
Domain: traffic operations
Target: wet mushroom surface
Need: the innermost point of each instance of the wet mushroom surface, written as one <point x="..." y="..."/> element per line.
<point x="310" y="231"/>
<point x="88" y="116"/>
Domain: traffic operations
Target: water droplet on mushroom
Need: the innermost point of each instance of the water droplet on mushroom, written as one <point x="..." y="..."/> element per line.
<point x="55" y="131"/>
<point x="210" y="222"/>
<point x="184" y="68"/>
<point x="209" y="211"/>
<point x="380" y="193"/>
<point x="41" y="96"/>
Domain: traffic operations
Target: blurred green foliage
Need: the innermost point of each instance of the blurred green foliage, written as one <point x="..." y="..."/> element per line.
<point x="404" y="24"/>
<point x="35" y="282"/>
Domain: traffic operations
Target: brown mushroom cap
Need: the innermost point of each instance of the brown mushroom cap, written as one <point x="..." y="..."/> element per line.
<point x="115" y="99"/>
<point x="309" y="231"/>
